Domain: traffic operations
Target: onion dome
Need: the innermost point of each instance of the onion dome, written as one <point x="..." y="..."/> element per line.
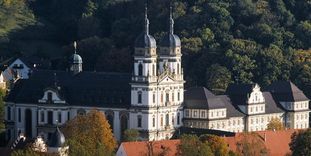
<point x="171" y="40"/>
<point x="145" y="40"/>
<point x="75" y="58"/>
<point x="57" y="139"/>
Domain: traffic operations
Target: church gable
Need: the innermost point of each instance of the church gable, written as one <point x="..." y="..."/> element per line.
<point x="166" y="79"/>
<point x="51" y="96"/>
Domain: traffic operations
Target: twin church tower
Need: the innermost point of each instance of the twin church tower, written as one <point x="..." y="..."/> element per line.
<point x="157" y="86"/>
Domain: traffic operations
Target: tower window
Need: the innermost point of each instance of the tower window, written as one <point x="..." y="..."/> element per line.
<point x="140" y="70"/>
<point x="167" y="99"/>
<point x="153" y="70"/>
<point x="139" y="121"/>
<point x="178" y="72"/>
<point x="139" y="98"/>
<point x="153" y="121"/>
<point x="173" y="97"/>
<point x="178" y="96"/>
<point x="161" y="121"/>
<point x="167" y="120"/>
<point x="154" y="98"/>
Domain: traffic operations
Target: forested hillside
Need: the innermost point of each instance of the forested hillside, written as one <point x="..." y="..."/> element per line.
<point x="223" y="41"/>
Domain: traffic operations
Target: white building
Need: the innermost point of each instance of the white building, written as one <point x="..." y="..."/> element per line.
<point x="246" y="107"/>
<point x="149" y="100"/>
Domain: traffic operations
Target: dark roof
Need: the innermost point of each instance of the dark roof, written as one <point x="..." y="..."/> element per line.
<point x="202" y="98"/>
<point x="82" y="89"/>
<point x="170" y="40"/>
<point x="57" y="139"/>
<point x="231" y="110"/>
<point x="145" y="40"/>
<point x="286" y="91"/>
<point x="239" y="93"/>
<point x="271" y="105"/>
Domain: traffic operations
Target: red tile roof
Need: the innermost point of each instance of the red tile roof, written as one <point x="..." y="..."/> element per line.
<point x="277" y="142"/>
<point x="141" y="148"/>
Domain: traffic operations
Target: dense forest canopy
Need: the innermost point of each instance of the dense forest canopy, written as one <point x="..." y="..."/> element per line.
<point x="223" y="41"/>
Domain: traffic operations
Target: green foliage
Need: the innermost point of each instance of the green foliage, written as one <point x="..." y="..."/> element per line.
<point x="254" y="40"/>
<point x="218" y="78"/>
<point x="25" y="152"/>
<point x="300" y="144"/>
<point x="14" y="15"/>
<point x="131" y="135"/>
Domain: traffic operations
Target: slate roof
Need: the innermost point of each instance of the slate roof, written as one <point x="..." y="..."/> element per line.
<point x="202" y="98"/>
<point x="286" y="91"/>
<point x="239" y="93"/>
<point x="57" y="139"/>
<point x="271" y="105"/>
<point x="97" y="89"/>
<point x="231" y="110"/>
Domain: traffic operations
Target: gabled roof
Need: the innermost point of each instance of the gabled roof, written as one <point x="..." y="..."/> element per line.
<point x="271" y="105"/>
<point x="202" y="98"/>
<point x="231" y="110"/>
<point x="286" y="91"/>
<point x="97" y="89"/>
<point x="143" y="147"/>
<point x="277" y="142"/>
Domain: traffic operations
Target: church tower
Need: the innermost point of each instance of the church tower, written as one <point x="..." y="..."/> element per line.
<point x="75" y="61"/>
<point x="156" y="94"/>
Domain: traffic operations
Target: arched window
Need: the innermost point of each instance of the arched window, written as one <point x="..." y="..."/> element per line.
<point x="178" y="72"/>
<point x="139" y="97"/>
<point x="154" y="98"/>
<point x="167" y="98"/>
<point x="173" y="118"/>
<point x="140" y="70"/>
<point x="178" y="96"/>
<point x="139" y="122"/>
<point x="167" y="120"/>
<point x="178" y="118"/>
<point x="59" y="117"/>
<point x="42" y="116"/>
<point x="153" y="121"/>
<point x="110" y="120"/>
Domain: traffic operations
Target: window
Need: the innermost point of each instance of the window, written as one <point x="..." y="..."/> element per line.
<point x="178" y="96"/>
<point x="49" y="97"/>
<point x="172" y="96"/>
<point x="153" y="70"/>
<point x="173" y="118"/>
<point x="140" y="70"/>
<point x="251" y="109"/>
<point x="178" y="68"/>
<point x="212" y="114"/>
<point x="203" y="114"/>
<point x="161" y="121"/>
<point x="42" y="116"/>
<point x="9" y="113"/>
<point x="167" y="120"/>
<point x="68" y="115"/>
<point x="50" y="117"/>
<point x="261" y="108"/>
<point x="59" y="119"/>
<point x="19" y="115"/>
<point x="178" y="118"/>
<point x="223" y="113"/>
<point x="139" y="121"/>
<point x="187" y="113"/>
<point x="195" y="114"/>
<point x="153" y="121"/>
<point x="154" y="98"/>
<point x="167" y="98"/>
<point x="161" y="97"/>
<point x="139" y="98"/>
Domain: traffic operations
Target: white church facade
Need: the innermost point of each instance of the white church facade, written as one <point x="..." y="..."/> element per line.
<point x="151" y="99"/>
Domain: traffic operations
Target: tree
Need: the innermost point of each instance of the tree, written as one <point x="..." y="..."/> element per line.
<point x="300" y="143"/>
<point x="89" y="134"/>
<point x="251" y="144"/>
<point x="217" y="144"/>
<point x="131" y="135"/>
<point x="191" y="145"/>
<point x="275" y="124"/>
<point x="218" y="78"/>
<point x="14" y="15"/>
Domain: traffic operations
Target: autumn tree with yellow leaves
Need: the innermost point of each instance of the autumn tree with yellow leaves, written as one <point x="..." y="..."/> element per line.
<point x="275" y="124"/>
<point x="89" y="135"/>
